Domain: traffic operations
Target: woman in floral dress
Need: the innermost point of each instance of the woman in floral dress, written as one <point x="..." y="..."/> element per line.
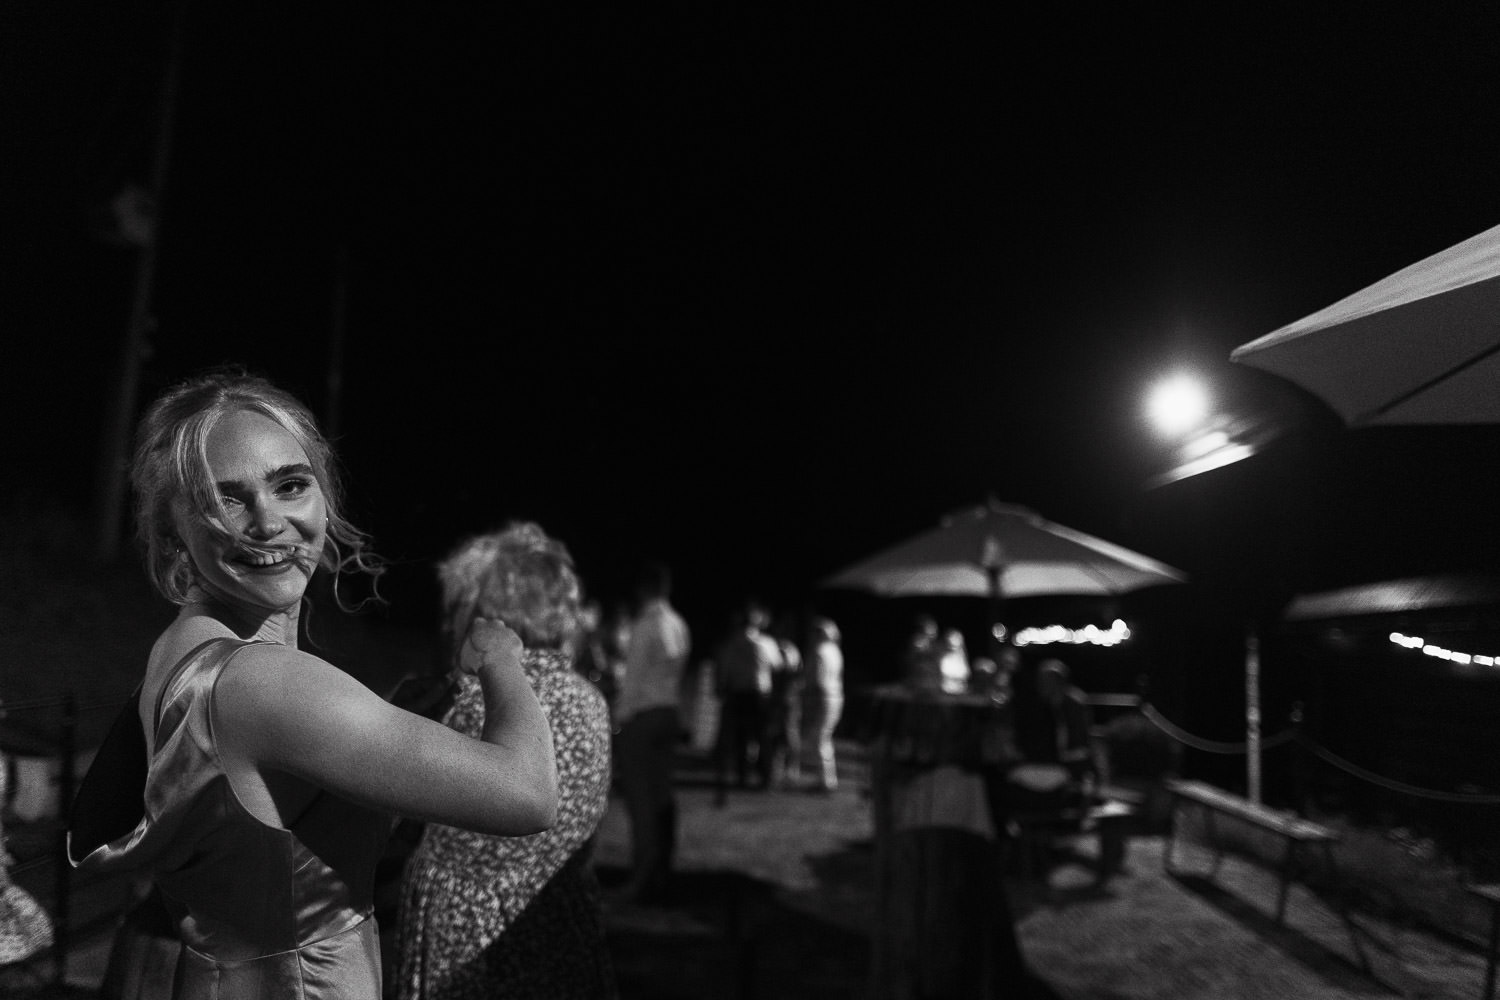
<point x="483" y="916"/>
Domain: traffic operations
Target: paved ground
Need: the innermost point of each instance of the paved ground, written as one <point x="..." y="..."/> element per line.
<point x="797" y="872"/>
<point x="776" y="894"/>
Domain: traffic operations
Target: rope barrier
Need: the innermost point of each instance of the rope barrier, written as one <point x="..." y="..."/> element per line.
<point x="1328" y="756"/>
<point x="1210" y="746"/>
<point x="1391" y="784"/>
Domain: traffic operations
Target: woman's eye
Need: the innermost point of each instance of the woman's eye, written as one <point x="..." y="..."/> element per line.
<point x="231" y="503"/>
<point x="294" y="487"/>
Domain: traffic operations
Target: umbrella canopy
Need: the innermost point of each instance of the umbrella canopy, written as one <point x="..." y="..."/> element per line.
<point x="975" y="550"/>
<point x="1390" y="597"/>
<point x="1419" y="347"/>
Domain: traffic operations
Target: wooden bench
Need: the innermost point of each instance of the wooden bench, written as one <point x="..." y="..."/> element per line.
<point x="1296" y="833"/>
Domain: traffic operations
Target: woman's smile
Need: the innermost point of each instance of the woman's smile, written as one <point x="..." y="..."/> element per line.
<point x="262" y="560"/>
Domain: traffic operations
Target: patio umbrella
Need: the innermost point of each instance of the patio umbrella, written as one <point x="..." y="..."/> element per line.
<point x="1419" y="347"/>
<point x="1001" y="550"/>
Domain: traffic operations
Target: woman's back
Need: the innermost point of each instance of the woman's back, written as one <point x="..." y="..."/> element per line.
<point x="262" y="910"/>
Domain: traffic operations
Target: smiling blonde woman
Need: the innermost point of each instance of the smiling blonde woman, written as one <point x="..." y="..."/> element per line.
<point x="271" y="777"/>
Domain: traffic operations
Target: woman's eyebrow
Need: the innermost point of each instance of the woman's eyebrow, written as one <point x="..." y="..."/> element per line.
<point x="280" y="472"/>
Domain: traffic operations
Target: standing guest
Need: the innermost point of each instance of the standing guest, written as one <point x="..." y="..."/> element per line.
<point x="647" y="714"/>
<point x="273" y="775"/>
<point x="825" y="696"/>
<point x="953" y="662"/>
<point x="745" y="662"/>
<point x="784" y="715"/>
<point x="919" y="661"/>
<point x="1064" y="730"/>
<point x="486" y="916"/>
<point x="1007" y="663"/>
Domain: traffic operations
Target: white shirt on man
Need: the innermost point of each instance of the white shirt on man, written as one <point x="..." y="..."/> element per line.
<point x="654" y="657"/>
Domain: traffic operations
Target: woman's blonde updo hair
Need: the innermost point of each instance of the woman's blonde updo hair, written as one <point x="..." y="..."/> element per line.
<point x="170" y="472"/>
<point x="521" y="576"/>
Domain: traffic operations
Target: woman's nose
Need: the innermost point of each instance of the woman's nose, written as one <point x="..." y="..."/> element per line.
<point x="264" y="522"/>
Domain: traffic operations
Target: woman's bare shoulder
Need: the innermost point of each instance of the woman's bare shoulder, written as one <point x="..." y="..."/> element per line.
<point x="282" y="676"/>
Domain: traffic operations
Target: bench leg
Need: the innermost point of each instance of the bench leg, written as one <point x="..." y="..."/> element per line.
<point x="1489" y="969"/>
<point x="1288" y="860"/>
<point x="1211" y="827"/>
<point x="1337" y="885"/>
<point x="1166" y="857"/>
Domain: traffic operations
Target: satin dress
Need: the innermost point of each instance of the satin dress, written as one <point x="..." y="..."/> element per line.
<point x="263" y="912"/>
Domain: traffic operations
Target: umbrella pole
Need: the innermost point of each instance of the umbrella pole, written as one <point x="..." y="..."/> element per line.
<point x="997" y="601"/>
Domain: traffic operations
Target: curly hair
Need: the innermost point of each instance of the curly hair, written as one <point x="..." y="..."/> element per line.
<point x="170" y="474"/>
<point x="520" y="575"/>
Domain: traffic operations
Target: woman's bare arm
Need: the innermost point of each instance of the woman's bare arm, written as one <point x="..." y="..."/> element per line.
<point x="285" y="710"/>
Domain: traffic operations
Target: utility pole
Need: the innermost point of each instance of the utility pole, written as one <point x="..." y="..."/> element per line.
<point x="119" y="413"/>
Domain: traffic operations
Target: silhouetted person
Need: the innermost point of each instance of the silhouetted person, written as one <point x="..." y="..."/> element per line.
<point x="783" y="739"/>
<point x="1065" y="720"/>
<point x="919" y="658"/>
<point x="647" y="714"/>
<point x="745" y="663"/>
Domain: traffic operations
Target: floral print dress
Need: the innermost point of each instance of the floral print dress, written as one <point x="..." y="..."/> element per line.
<point x="487" y="917"/>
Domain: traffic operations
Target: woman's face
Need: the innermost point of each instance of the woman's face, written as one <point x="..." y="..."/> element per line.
<point x="270" y="495"/>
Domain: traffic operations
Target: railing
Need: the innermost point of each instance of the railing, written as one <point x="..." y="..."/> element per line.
<point x="1294" y="734"/>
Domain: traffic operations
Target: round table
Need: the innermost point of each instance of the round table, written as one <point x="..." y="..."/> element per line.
<point x="943" y="925"/>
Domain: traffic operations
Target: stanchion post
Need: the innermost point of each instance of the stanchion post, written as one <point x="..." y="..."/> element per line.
<point x="1252" y="715"/>
<point x="1299" y="760"/>
<point x="62" y="905"/>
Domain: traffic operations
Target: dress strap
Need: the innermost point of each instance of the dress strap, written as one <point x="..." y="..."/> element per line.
<point x="166" y="685"/>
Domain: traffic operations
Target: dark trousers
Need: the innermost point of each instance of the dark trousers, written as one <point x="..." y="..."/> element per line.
<point x="742" y="728"/>
<point x="647" y="747"/>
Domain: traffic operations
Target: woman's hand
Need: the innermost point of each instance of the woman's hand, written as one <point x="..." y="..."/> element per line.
<point x="490" y="643"/>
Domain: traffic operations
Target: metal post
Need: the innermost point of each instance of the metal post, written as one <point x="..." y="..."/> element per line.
<point x="1299" y="760"/>
<point x="1252" y="715"/>
<point x="63" y="886"/>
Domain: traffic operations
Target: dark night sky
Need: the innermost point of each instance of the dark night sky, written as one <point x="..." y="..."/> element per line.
<point x="763" y="292"/>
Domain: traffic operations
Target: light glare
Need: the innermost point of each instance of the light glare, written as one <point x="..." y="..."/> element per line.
<point x="1177" y="405"/>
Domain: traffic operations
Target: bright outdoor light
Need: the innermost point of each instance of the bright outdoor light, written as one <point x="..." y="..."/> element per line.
<point x="1177" y="405"/>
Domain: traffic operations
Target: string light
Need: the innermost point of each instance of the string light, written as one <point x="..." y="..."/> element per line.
<point x="1091" y="635"/>
<point x="1438" y="652"/>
